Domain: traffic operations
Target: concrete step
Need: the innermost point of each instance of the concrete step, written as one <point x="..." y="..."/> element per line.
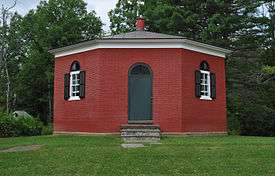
<point x="140" y="133"/>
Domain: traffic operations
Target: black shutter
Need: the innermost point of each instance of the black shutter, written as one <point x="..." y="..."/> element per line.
<point x="198" y="83"/>
<point x="213" y="85"/>
<point x="67" y="86"/>
<point x="82" y="84"/>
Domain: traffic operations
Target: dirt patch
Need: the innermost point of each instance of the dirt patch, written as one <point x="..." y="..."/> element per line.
<point x="21" y="148"/>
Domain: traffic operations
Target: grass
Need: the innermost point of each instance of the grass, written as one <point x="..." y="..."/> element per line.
<point x="103" y="155"/>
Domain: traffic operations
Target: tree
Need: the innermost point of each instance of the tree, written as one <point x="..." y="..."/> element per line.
<point x="270" y="42"/>
<point x="124" y="15"/>
<point x="213" y="22"/>
<point x="55" y="23"/>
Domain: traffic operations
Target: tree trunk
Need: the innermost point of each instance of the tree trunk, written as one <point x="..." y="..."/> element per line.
<point x="5" y="13"/>
<point x="3" y="57"/>
<point x="8" y="85"/>
<point x="49" y="104"/>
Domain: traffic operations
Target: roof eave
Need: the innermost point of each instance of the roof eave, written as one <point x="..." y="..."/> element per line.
<point x="66" y="48"/>
<point x="140" y="43"/>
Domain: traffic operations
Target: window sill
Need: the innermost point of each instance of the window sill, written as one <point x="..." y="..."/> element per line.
<point x="74" y="99"/>
<point x="205" y="98"/>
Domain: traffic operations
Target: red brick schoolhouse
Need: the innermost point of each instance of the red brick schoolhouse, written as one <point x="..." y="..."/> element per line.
<point x="140" y="77"/>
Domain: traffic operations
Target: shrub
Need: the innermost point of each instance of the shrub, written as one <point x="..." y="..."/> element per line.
<point x="257" y="120"/>
<point x="20" y="126"/>
<point x="47" y="130"/>
<point x="7" y="126"/>
<point x="28" y="126"/>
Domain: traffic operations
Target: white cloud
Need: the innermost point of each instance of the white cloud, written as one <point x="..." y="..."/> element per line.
<point x="101" y="7"/>
<point x="22" y="6"/>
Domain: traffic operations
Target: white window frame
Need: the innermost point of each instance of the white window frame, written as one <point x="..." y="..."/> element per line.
<point x="72" y="97"/>
<point x="208" y="97"/>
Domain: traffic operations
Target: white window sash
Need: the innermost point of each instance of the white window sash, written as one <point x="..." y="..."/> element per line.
<point x="71" y="85"/>
<point x="208" y="97"/>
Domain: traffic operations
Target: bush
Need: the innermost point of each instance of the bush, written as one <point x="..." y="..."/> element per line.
<point x="28" y="126"/>
<point x="233" y="123"/>
<point x="47" y="130"/>
<point x="7" y="126"/>
<point x="257" y="120"/>
<point x="20" y="126"/>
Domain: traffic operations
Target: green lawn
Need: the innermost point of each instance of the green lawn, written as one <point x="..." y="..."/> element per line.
<point x="98" y="155"/>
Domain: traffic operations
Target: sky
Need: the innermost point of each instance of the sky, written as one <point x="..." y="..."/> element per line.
<point x="102" y="7"/>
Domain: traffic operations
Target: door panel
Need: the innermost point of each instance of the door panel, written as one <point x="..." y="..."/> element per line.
<point x="140" y="93"/>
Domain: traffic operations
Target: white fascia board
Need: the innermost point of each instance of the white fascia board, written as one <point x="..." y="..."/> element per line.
<point x="141" y="43"/>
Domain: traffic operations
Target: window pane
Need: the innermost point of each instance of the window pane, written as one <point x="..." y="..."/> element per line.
<point x="140" y="70"/>
<point x="74" y="84"/>
<point x="205" y="84"/>
<point x="204" y="66"/>
<point x="202" y="88"/>
<point x="77" y="88"/>
<point x="202" y="78"/>
<point x="75" y="66"/>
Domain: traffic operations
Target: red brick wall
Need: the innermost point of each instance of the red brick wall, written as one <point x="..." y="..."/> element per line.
<point x="203" y="115"/>
<point x="105" y="106"/>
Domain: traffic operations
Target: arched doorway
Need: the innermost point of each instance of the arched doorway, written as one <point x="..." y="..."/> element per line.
<point x="140" y="93"/>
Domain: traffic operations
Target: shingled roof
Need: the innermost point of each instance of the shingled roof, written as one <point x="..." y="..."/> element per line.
<point x="142" y="35"/>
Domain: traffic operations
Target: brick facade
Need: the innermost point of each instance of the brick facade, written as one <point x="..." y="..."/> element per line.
<point x="105" y="106"/>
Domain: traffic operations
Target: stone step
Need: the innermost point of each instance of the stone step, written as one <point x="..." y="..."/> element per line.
<point x="140" y="132"/>
<point x="141" y="139"/>
<point x="139" y="126"/>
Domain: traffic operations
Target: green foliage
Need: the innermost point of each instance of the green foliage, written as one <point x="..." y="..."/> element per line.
<point x="47" y="129"/>
<point x="123" y="17"/>
<point x="269" y="69"/>
<point x="29" y="126"/>
<point x="213" y="22"/>
<point x="8" y="126"/>
<point x="257" y="120"/>
<point x="20" y="126"/>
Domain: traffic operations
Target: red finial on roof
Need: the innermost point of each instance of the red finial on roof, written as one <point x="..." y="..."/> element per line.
<point x="140" y="24"/>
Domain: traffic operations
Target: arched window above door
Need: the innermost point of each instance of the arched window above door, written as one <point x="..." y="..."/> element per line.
<point x="140" y="69"/>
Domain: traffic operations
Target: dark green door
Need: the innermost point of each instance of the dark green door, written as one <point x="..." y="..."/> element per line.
<point x="140" y="93"/>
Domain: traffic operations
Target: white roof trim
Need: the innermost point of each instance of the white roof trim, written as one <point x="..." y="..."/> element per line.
<point x="141" y="43"/>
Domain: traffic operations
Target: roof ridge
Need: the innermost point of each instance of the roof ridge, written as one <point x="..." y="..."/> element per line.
<point x="142" y="35"/>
